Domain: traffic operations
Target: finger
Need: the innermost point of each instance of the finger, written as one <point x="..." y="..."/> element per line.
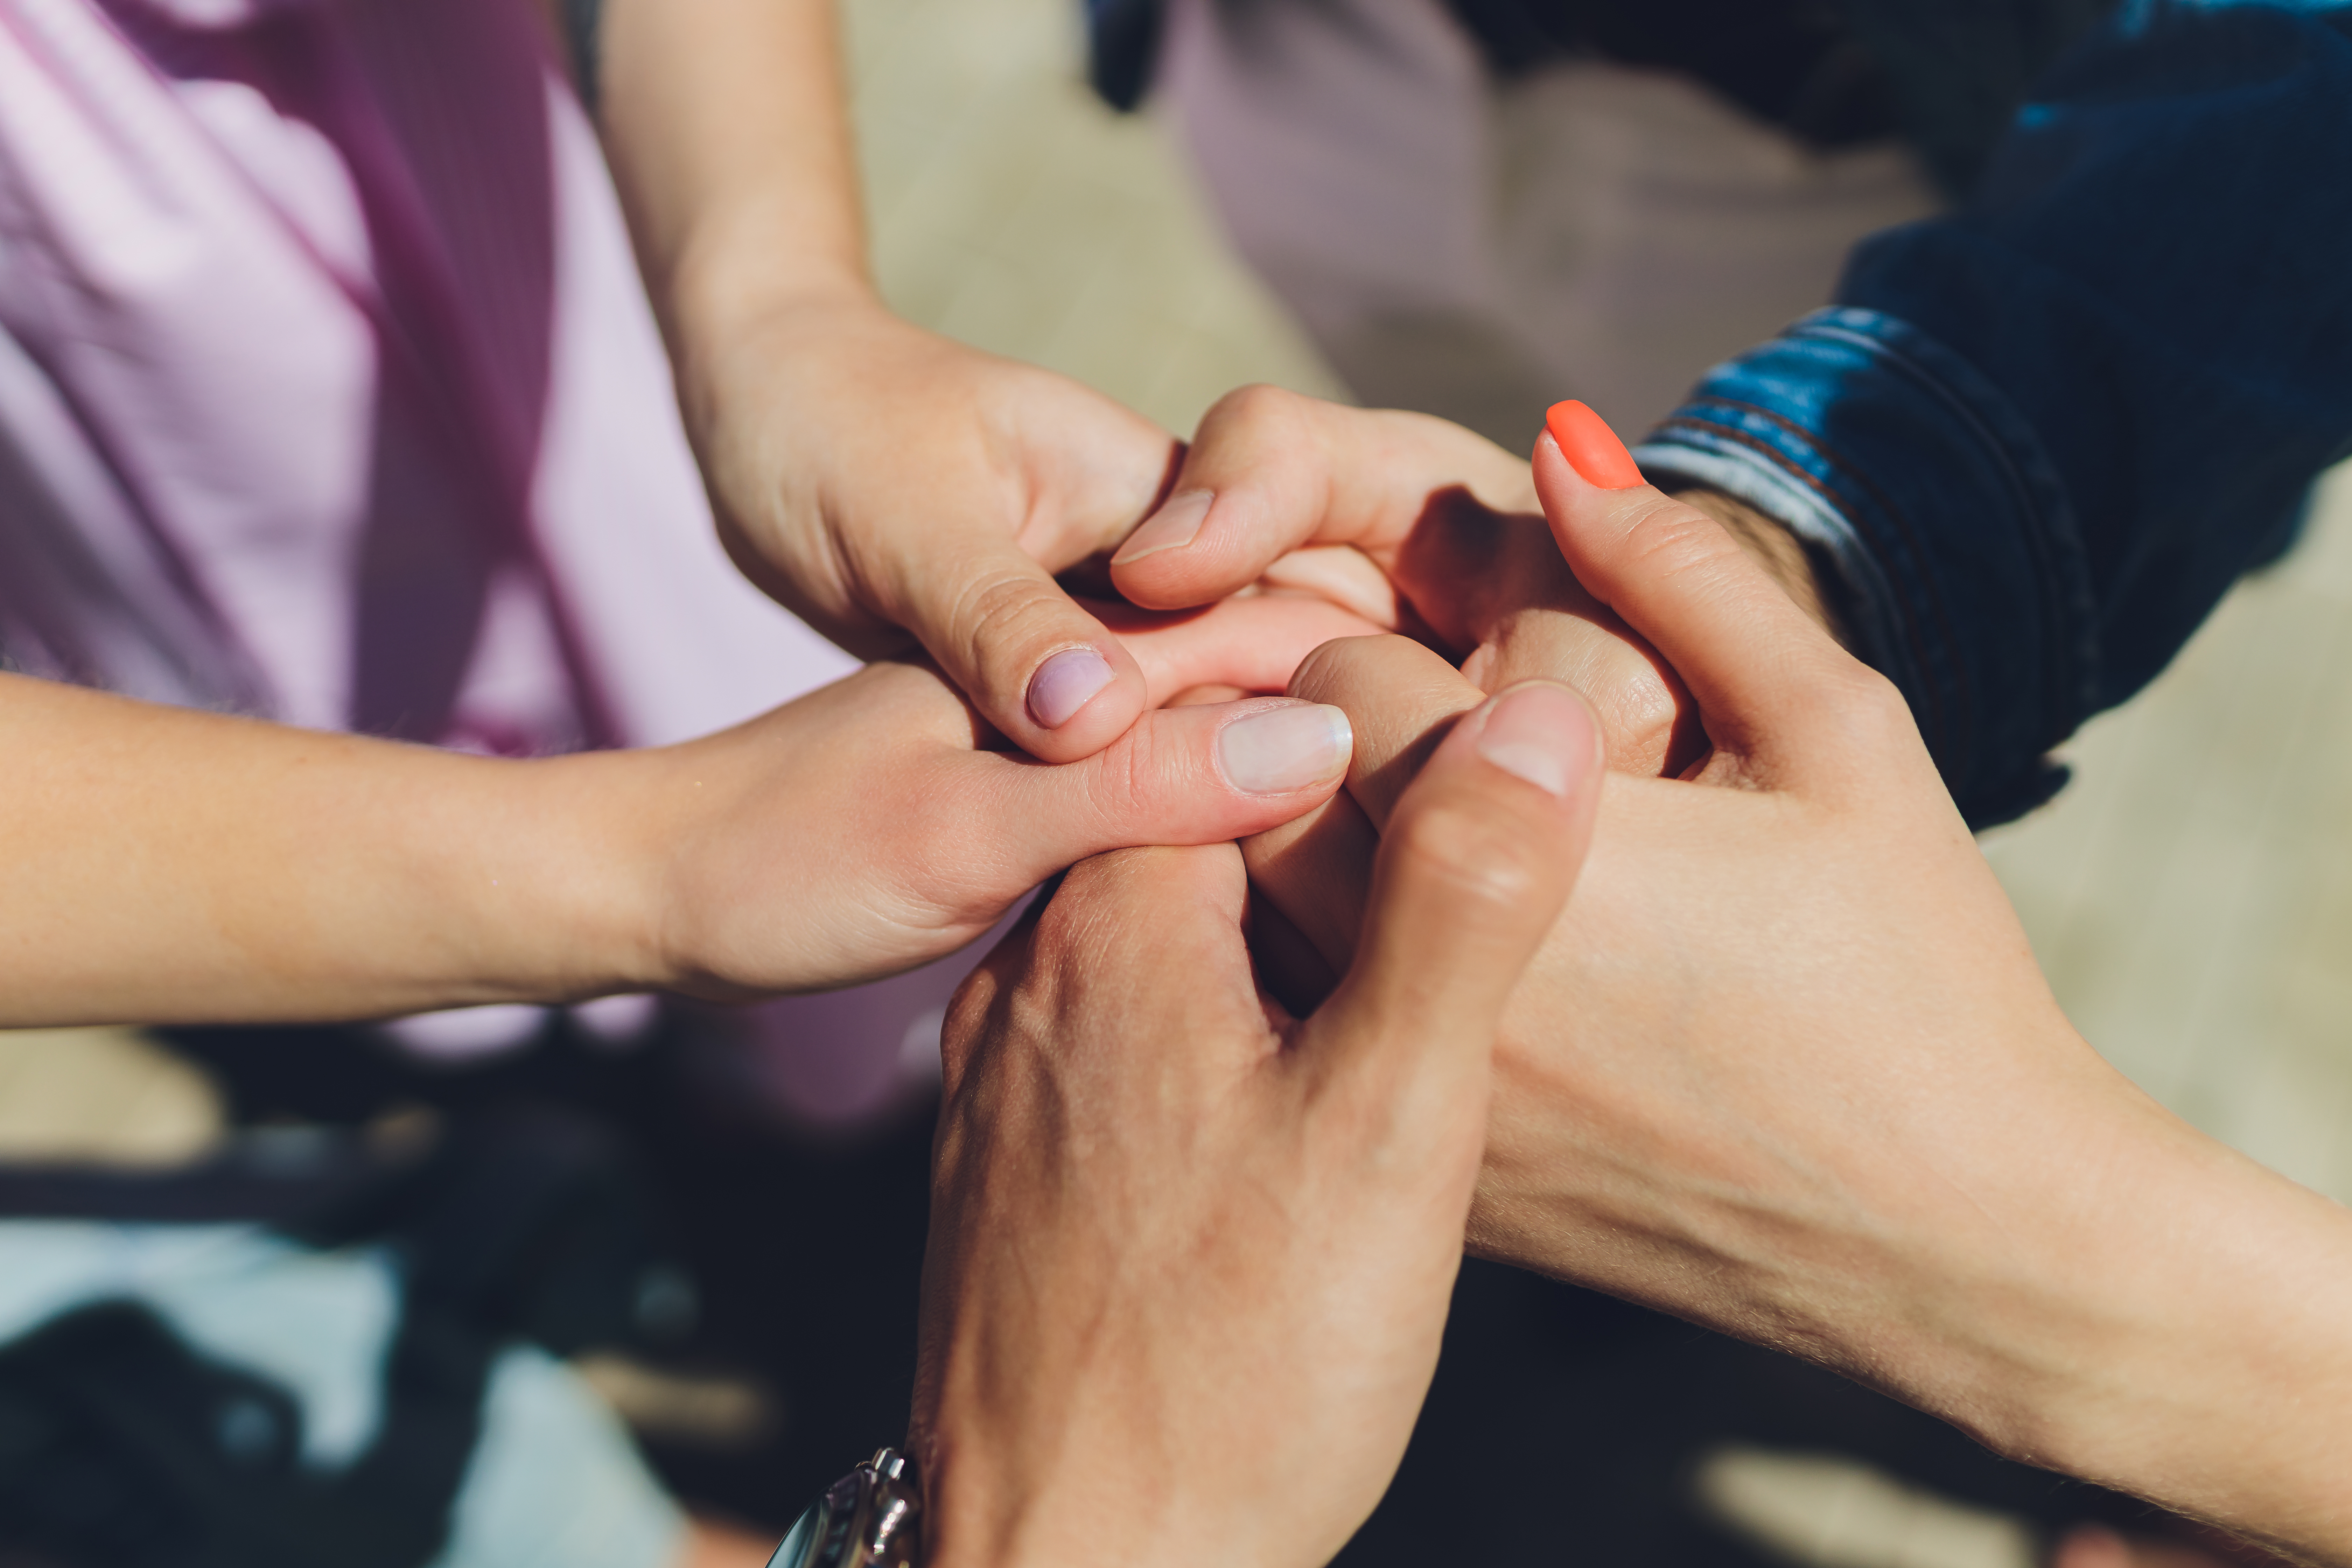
<point x="1758" y="666"/>
<point x="1474" y="868"/>
<point x="1269" y="471"/>
<point x="1316" y="871"/>
<point x="1181" y="775"/>
<point x="1647" y="718"/>
<point x="1252" y="644"/>
<point x="1039" y="667"/>
<point x="1132" y="945"/>
<point x="1398" y="697"/>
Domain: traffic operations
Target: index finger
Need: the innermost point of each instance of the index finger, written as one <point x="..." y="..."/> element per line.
<point x="1270" y="471"/>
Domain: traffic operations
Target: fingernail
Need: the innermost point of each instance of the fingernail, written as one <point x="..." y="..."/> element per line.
<point x="1276" y="749"/>
<point x="1172" y="527"/>
<point x="1590" y="447"/>
<point x="1539" y="732"/>
<point x="1065" y="683"/>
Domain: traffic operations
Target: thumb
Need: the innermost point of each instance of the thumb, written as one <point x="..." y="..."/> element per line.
<point x="1185" y="775"/>
<point x="1473" y="867"/>
<point x="1048" y="675"/>
<point x="1758" y="665"/>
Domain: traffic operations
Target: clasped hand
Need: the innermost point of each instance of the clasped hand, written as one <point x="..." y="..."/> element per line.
<point x="1783" y="1064"/>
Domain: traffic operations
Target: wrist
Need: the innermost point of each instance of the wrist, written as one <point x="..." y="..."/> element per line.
<point x="1780" y="552"/>
<point x="741" y="266"/>
<point x="736" y="336"/>
<point x="595" y="825"/>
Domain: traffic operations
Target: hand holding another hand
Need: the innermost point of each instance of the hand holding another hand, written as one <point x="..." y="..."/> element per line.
<point x="1416" y="525"/>
<point x="1191" y="1255"/>
<point x="875" y="824"/>
<point x="895" y="489"/>
<point x="1786" y="1067"/>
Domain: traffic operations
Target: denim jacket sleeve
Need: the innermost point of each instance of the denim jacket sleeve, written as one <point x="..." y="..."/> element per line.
<point x="2039" y="438"/>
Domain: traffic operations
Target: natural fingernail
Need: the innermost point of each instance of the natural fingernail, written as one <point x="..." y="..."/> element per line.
<point x="1542" y="734"/>
<point x="1592" y="447"/>
<point x="1172" y="527"/>
<point x="1276" y="749"/>
<point x="1065" y="683"/>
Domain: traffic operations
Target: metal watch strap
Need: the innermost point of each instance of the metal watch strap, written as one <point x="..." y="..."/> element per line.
<point x="871" y="1518"/>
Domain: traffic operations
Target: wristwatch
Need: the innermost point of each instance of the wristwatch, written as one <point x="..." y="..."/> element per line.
<point x="871" y="1518"/>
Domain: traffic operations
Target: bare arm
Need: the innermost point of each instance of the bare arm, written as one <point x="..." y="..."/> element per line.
<point x="166" y="865"/>
<point x="889" y="485"/>
<point x="726" y="127"/>
<point x="158" y="865"/>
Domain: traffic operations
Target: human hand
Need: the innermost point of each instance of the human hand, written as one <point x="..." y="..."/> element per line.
<point x="1418" y="525"/>
<point x="873" y="477"/>
<point x="1189" y="1257"/>
<point x="1786" y="1067"/>
<point x="870" y="476"/>
<point x="869" y="826"/>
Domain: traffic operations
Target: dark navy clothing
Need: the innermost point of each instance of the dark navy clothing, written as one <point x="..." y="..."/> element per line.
<point x="1945" y="74"/>
<point x="2042" y="435"/>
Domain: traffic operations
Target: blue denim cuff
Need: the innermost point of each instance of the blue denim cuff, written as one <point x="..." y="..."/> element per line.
<point x="1962" y="572"/>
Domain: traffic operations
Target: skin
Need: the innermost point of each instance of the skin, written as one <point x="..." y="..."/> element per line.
<point x="1421" y="526"/>
<point x="893" y="487"/>
<point x="171" y="865"/>
<point x="1190" y="1254"/>
<point x="1786" y="1067"/>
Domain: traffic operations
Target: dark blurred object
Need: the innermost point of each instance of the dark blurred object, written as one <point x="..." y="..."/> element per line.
<point x="1123" y="46"/>
<point x="1948" y="75"/>
<point x="1792" y="63"/>
<point x="121" y="1446"/>
<point x="791" y="1336"/>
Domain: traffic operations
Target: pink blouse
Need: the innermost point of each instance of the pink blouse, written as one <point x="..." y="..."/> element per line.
<point x="328" y="392"/>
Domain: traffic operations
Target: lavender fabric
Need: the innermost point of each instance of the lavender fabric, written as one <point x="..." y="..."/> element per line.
<point x="328" y="392"/>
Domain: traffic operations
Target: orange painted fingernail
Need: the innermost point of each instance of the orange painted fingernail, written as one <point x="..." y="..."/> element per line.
<point x="1592" y="447"/>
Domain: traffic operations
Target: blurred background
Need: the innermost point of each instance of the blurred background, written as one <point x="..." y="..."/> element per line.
<point x="2189" y="895"/>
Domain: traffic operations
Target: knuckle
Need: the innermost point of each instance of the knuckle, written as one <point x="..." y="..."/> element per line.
<point x="1638" y="726"/>
<point x="1002" y="613"/>
<point x="1867" y="709"/>
<point x="966" y="1025"/>
<point x="1476" y="852"/>
<point x="1343" y="664"/>
<point x="1667" y="538"/>
<point x="1256" y="404"/>
<point x="1125" y="785"/>
<point x="1117" y="920"/>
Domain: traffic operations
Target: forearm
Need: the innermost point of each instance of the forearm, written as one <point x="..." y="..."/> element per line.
<point x="2256" y="1433"/>
<point x="168" y="866"/>
<point x="2017" y="1242"/>
<point x="2186" y="1338"/>
<point x="2118" y="1298"/>
<point x="726" y="125"/>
